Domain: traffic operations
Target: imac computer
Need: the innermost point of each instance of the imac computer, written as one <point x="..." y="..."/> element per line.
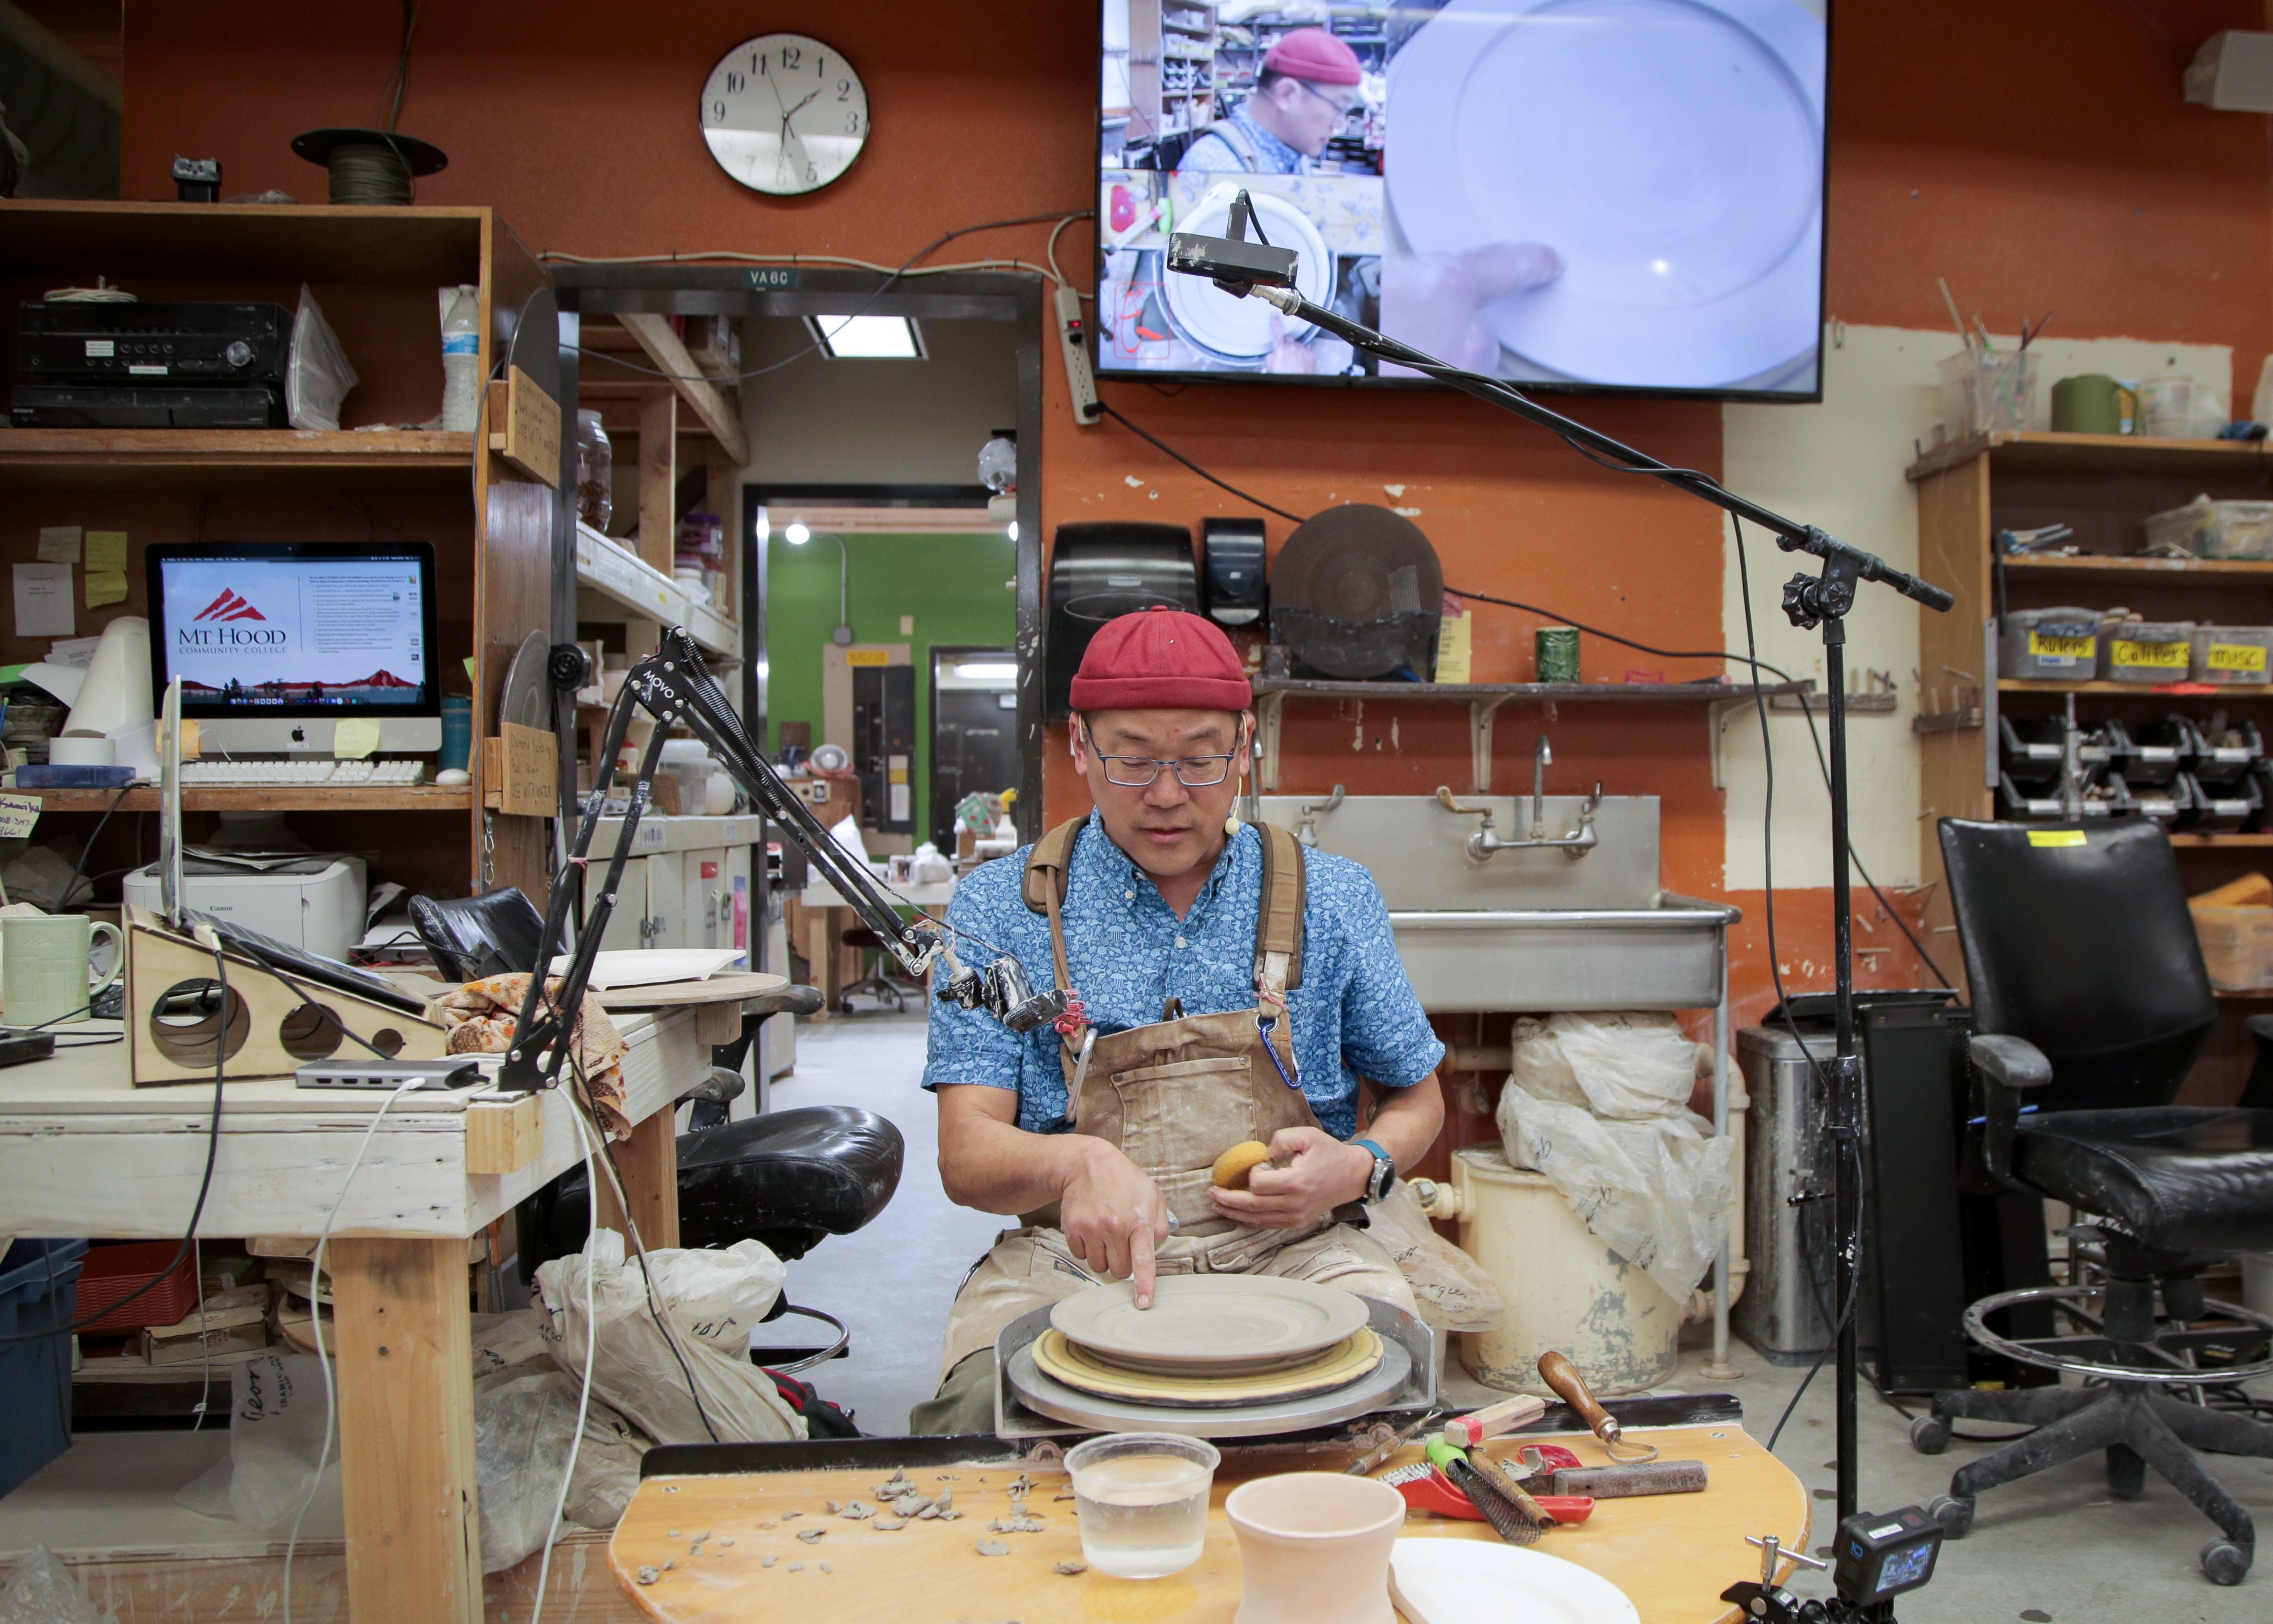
<point x="276" y="643"/>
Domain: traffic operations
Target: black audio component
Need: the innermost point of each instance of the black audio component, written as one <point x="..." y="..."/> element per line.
<point x="122" y="406"/>
<point x="62" y="341"/>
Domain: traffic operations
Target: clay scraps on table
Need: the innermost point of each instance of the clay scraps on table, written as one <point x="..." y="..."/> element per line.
<point x="993" y="1548"/>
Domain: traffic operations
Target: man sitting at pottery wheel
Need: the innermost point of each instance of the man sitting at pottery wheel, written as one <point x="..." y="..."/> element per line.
<point x="1232" y="987"/>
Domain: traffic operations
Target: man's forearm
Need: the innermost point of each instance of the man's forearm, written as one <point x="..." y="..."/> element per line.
<point x="1407" y="1121"/>
<point x="998" y="1166"/>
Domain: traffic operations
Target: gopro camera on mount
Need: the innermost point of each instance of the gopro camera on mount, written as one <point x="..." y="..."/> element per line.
<point x="1876" y="1556"/>
<point x="1236" y="263"/>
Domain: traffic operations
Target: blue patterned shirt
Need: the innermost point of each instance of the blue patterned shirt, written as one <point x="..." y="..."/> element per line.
<point x="1209" y="152"/>
<point x="1354" y="1013"/>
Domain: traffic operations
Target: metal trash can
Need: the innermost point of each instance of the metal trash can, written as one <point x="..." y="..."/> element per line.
<point x="1785" y="1312"/>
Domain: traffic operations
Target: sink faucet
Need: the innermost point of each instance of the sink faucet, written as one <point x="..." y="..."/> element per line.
<point x="1307" y="831"/>
<point x="1486" y="840"/>
<point x="1541" y="758"/>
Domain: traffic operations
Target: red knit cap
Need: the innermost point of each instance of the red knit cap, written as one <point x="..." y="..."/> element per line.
<point x="1315" y="55"/>
<point x="1161" y="659"/>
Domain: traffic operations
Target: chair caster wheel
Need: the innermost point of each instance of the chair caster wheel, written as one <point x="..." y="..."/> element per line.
<point x="1953" y="1513"/>
<point x="2225" y="1562"/>
<point x="1929" y="1434"/>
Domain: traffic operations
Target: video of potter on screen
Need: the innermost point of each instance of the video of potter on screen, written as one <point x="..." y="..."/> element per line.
<point x="1630" y="199"/>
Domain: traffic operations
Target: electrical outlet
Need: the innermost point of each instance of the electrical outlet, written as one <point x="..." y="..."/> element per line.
<point x="1073" y="333"/>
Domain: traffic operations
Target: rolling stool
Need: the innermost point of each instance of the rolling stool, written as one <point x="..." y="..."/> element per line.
<point x="877" y="983"/>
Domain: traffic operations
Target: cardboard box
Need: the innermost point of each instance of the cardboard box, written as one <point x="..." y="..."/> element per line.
<point x="2237" y="946"/>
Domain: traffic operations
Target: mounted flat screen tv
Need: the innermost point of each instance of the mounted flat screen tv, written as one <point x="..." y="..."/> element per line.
<point x="1598" y="195"/>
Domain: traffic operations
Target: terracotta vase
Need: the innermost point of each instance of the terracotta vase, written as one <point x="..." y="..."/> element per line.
<point x="1315" y="1546"/>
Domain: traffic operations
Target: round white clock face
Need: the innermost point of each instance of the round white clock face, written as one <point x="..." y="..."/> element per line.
<point x="784" y="114"/>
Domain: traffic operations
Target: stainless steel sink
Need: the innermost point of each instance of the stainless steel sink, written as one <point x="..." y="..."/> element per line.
<point x="1535" y="929"/>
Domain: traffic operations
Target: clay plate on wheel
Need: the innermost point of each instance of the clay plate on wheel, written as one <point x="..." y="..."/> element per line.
<point x="1339" y="1366"/>
<point x="1211" y="1323"/>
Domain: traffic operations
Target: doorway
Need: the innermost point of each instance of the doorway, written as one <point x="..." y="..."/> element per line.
<point x="975" y="739"/>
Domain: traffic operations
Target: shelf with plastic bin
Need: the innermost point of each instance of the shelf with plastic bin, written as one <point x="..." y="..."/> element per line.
<point x="2161" y="691"/>
<point x="2130" y="453"/>
<point x="630" y="582"/>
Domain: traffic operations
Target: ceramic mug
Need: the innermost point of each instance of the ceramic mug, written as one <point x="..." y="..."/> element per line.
<point x="45" y="978"/>
<point x="1315" y="1547"/>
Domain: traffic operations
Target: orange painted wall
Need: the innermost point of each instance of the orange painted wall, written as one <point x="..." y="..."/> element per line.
<point x="2037" y="156"/>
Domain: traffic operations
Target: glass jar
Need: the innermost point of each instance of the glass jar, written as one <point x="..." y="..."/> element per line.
<point x="596" y="497"/>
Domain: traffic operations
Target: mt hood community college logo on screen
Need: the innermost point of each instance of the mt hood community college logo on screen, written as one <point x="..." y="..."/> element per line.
<point x="230" y="605"/>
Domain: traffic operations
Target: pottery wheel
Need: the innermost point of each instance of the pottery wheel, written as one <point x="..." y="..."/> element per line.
<point x="1214" y="1325"/>
<point x="1076" y="1367"/>
<point x="1047" y="1396"/>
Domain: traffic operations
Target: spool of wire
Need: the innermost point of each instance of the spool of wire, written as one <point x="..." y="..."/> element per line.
<point x="370" y="167"/>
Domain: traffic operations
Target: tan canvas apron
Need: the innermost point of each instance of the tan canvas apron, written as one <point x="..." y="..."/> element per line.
<point x="1174" y="1096"/>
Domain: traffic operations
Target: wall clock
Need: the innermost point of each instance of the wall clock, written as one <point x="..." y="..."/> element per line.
<point x="784" y="114"/>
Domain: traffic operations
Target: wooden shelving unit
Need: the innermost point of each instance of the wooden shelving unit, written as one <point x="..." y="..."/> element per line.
<point x="270" y="798"/>
<point x="1484" y="701"/>
<point x="2131" y="453"/>
<point x="375" y="272"/>
<point x="2104" y="566"/>
<point x="208" y="460"/>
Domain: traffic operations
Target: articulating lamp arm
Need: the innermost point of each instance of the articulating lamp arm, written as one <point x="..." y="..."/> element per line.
<point x="674" y="687"/>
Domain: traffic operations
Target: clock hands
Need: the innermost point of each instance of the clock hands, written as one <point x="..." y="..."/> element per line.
<point x="801" y="160"/>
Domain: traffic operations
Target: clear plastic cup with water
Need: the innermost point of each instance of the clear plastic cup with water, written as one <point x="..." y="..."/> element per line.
<point x="1142" y="1498"/>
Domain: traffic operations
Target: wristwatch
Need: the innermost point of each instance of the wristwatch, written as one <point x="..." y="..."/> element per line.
<point x="1384" y="1171"/>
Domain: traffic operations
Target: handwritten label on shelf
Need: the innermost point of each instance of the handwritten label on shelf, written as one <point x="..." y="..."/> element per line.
<point x="2153" y="655"/>
<point x="17" y="814"/>
<point x="2043" y="646"/>
<point x="2242" y="657"/>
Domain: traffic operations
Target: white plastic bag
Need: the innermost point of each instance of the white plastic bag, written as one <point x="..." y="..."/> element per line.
<point x="712" y="1300"/>
<point x="1451" y="1288"/>
<point x="276" y="1434"/>
<point x="524" y="1425"/>
<point x="318" y="375"/>
<point x="41" y="1590"/>
<point x="1599" y="1103"/>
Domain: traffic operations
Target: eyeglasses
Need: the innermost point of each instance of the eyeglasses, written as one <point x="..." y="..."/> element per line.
<point x="1346" y="109"/>
<point x="1192" y="771"/>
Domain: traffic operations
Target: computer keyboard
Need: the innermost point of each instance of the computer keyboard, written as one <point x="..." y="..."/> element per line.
<point x="313" y="771"/>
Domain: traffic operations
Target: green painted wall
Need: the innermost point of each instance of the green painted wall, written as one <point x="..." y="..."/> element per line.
<point x="956" y="587"/>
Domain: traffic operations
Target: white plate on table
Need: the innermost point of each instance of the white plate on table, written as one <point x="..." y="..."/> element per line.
<point x="1669" y="150"/>
<point x="1209" y="1321"/>
<point x="647" y="966"/>
<point x="1459" y="1581"/>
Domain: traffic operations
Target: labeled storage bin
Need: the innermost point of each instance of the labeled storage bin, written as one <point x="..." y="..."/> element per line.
<point x="114" y="1273"/>
<point x="2219" y="808"/>
<point x="2050" y="645"/>
<point x="2149" y="652"/>
<point x="2233" y="656"/>
<point x="2226" y="752"/>
<point x="39" y="1292"/>
<point x="2221" y="530"/>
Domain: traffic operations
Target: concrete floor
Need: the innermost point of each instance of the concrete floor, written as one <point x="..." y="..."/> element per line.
<point x="2056" y="1545"/>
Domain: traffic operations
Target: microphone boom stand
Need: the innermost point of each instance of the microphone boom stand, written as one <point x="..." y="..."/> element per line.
<point x="1242" y="268"/>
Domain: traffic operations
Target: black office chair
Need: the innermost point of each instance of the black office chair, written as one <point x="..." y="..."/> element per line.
<point x="2090" y="1002"/>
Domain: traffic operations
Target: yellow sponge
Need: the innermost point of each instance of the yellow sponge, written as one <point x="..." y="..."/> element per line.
<point x="1232" y="1167"/>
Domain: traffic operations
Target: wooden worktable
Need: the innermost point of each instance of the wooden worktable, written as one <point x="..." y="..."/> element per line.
<point x="1671" y="1554"/>
<point x="83" y="1152"/>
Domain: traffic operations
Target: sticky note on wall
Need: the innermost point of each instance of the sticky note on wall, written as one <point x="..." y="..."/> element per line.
<point x="105" y="586"/>
<point x="355" y="739"/>
<point x="59" y="543"/>
<point x="106" y="550"/>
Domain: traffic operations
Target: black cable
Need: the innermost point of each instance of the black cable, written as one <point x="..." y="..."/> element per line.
<point x="213" y="1148"/>
<point x="1161" y="445"/>
<point x="402" y="63"/>
<point x="79" y="868"/>
<point x="881" y="288"/>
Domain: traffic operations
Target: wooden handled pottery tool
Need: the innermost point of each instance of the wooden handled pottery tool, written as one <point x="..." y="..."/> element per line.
<point x="1427" y="1489"/>
<point x="1468" y="1431"/>
<point x="1559" y="1373"/>
<point x="1621" y="1481"/>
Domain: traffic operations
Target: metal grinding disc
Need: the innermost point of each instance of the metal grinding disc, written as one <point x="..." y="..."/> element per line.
<point x="527" y="697"/>
<point x="1356" y="592"/>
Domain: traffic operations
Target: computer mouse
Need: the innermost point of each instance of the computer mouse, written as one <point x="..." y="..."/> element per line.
<point x="454" y="777"/>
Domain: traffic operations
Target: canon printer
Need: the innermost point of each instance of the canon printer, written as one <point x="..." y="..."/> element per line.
<point x="311" y="900"/>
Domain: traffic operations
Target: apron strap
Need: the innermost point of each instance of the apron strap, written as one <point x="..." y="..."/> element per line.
<point x="1279" y="919"/>
<point x="1048" y="870"/>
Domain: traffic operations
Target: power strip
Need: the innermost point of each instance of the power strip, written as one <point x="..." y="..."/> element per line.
<point x="1081" y="377"/>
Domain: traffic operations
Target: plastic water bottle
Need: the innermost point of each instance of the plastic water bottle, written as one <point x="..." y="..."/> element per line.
<point x="462" y="362"/>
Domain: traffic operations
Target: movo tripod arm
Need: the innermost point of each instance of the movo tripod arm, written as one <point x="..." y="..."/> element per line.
<point x="674" y="687"/>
